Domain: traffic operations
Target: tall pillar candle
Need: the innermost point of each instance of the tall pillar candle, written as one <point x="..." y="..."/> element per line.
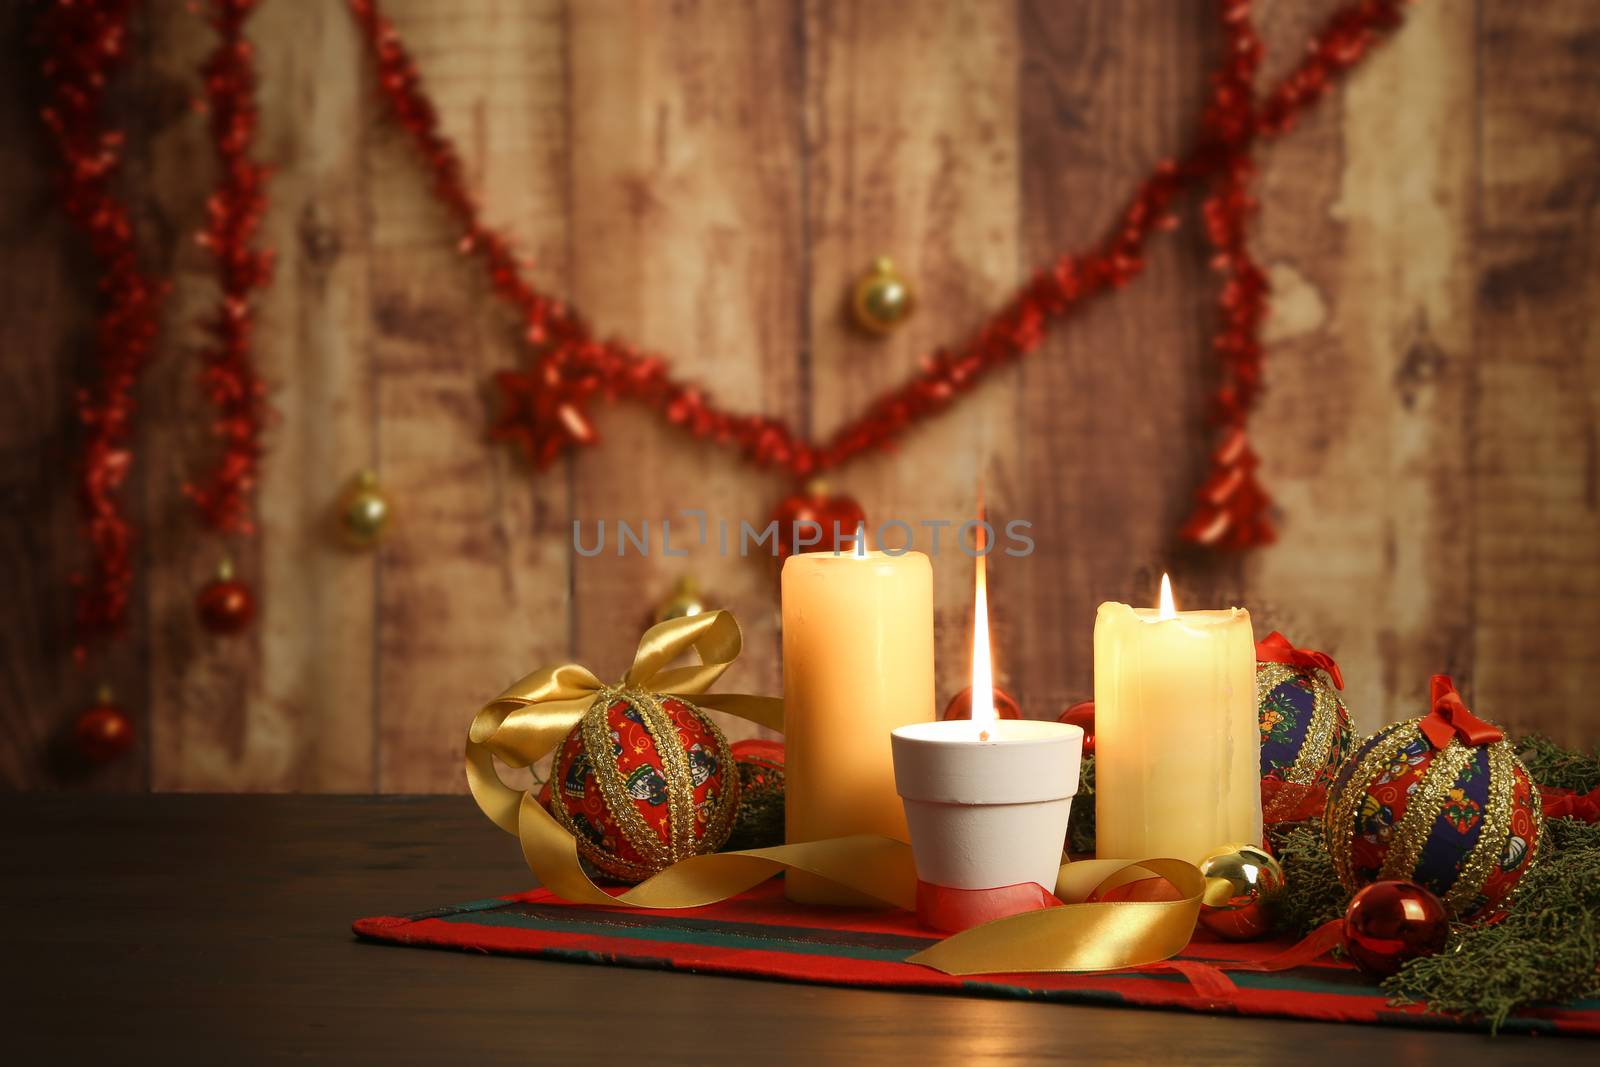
<point x="857" y="664"/>
<point x="1177" y="746"/>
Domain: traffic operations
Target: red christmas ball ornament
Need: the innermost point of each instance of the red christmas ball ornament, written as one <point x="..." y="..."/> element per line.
<point x="644" y="781"/>
<point x="225" y="604"/>
<point x="1388" y="923"/>
<point x="1440" y="800"/>
<point x="837" y="518"/>
<point x="960" y="706"/>
<point x="1081" y="715"/>
<point x="103" y="731"/>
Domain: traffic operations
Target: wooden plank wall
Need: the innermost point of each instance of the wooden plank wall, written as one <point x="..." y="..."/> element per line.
<point x="707" y="179"/>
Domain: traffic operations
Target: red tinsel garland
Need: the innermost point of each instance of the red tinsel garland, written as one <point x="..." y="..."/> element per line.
<point x="233" y="213"/>
<point x="1231" y="508"/>
<point x="546" y="408"/>
<point x="87" y="41"/>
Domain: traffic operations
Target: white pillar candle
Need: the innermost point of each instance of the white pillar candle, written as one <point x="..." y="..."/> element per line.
<point x="857" y="664"/>
<point x="1177" y="746"/>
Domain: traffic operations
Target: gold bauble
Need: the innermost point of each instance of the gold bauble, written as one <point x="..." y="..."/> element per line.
<point x="1238" y="879"/>
<point x="682" y="602"/>
<point x="882" y="299"/>
<point x="364" y="512"/>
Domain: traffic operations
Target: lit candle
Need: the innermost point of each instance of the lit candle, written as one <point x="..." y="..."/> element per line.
<point x="987" y="799"/>
<point x="857" y="663"/>
<point x="1177" y="747"/>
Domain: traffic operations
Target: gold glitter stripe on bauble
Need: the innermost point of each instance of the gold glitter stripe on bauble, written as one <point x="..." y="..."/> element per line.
<point x="1492" y="836"/>
<point x="720" y="823"/>
<point x="680" y="782"/>
<point x="1422" y="810"/>
<point x="1339" y="830"/>
<point x="608" y="862"/>
<point x="597" y="741"/>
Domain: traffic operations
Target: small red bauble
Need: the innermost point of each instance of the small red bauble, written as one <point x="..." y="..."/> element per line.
<point x="837" y="516"/>
<point x="102" y="732"/>
<point x="1388" y="923"/>
<point x="1081" y="715"/>
<point x="960" y="706"/>
<point x="225" y="604"/>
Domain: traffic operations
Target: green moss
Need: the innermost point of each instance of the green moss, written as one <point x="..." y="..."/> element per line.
<point x="1546" y="950"/>
<point x="1080" y="827"/>
<point x="1564" y="768"/>
<point x="1311" y="893"/>
<point x="758" y="823"/>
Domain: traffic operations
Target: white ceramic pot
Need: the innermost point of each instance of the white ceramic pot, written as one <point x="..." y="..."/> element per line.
<point x="987" y="813"/>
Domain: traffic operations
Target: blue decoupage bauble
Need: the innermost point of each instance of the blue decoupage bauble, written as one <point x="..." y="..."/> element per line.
<point x="1442" y="801"/>
<point x="1305" y="727"/>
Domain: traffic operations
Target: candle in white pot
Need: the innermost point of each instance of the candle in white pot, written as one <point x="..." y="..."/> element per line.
<point x="987" y="799"/>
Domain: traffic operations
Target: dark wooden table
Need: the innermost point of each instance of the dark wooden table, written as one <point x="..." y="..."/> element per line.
<point x="216" y="930"/>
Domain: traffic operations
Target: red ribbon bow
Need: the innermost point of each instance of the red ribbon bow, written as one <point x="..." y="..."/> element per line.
<point x="1450" y="718"/>
<point x="1566" y="804"/>
<point x="1276" y="648"/>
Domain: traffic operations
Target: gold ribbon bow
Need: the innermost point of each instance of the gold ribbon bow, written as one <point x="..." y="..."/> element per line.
<point x="530" y="719"/>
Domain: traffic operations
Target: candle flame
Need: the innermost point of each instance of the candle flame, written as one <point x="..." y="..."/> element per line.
<point x="1168" y="609"/>
<point x="983" y="713"/>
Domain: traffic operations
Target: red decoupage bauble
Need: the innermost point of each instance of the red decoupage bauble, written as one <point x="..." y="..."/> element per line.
<point x="225" y="604"/>
<point x="759" y="822"/>
<point x="642" y="782"/>
<point x="1388" y="923"/>
<point x="960" y="706"/>
<point x="1082" y="716"/>
<point x="836" y="515"/>
<point x="102" y="732"/>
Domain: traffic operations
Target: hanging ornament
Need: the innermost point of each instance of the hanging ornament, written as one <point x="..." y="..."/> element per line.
<point x="1388" y="923"/>
<point x="1441" y="800"/>
<point x="1305" y="727"/>
<point x="102" y="731"/>
<point x="364" y="511"/>
<point x="759" y="822"/>
<point x="882" y="299"/>
<point x="684" y="600"/>
<point x="1239" y="878"/>
<point x="225" y="604"/>
<point x="837" y="516"/>
<point x="642" y="782"/>
<point x="960" y="706"/>
<point x="1081" y="715"/>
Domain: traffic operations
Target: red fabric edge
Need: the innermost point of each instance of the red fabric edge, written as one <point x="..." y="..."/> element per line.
<point x="1132" y="988"/>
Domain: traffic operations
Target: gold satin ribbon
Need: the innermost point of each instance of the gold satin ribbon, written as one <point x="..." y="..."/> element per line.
<point x="531" y="718"/>
<point x="1081" y="936"/>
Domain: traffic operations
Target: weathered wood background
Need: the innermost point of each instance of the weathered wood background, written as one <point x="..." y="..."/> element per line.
<point x="708" y="178"/>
